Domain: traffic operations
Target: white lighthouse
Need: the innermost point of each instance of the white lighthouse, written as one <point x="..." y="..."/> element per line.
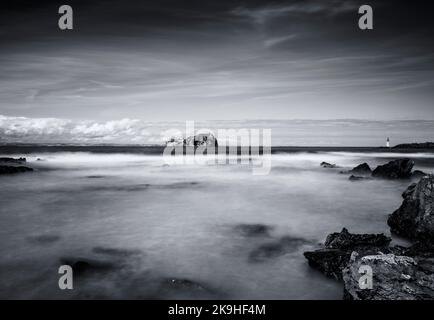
<point x="388" y="143"/>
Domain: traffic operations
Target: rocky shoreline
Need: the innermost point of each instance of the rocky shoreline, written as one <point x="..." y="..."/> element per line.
<point x="12" y="165"/>
<point x="397" y="273"/>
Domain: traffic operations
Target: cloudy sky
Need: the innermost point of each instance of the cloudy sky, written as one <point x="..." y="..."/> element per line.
<point x="168" y="60"/>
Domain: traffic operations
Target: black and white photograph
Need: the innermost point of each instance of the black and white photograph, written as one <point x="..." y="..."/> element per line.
<point x="217" y="150"/>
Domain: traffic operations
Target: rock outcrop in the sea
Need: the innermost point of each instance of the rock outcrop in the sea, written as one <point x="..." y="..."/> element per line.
<point x="14" y="169"/>
<point x="338" y="247"/>
<point x="396" y="169"/>
<point x="12" y="160"/>
<point x="204" y="139"/>
<point x="394" y="277"/>
<point x="328" y="165"/>
<point x="362" y="169"/>
<point x="415" y="218"/>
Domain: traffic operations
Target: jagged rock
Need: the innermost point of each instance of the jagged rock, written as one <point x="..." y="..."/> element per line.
<point x="393" y="278"/>
<point x="345" y="240"/>
<point x="12" y="160"/>
<point x="415" y="218"/>
<point x="14" y="169"/>
<point x="397" y="169"/>
<point x="417" y="174"/>
<point x="328" y="165"/>
<point x="334" y="257"/>
<point x="362" y="169"/>
<point x="203" y="139"/>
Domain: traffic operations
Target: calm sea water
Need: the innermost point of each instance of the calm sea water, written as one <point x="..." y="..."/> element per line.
<point x="145" y="223"/>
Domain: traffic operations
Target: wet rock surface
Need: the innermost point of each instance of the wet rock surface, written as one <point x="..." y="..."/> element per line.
<point x="361" y="169"/>
<point x="396" y="169"/>
<point x="415" y="217"/>
<point x="394" y="277"/>
<point x="338" y="247"/>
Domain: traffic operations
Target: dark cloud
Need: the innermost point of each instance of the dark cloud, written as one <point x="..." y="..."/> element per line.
<point x="179" y="60"/>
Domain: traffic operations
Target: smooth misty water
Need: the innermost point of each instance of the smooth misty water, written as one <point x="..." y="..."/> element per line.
<point x="180" y="222"/>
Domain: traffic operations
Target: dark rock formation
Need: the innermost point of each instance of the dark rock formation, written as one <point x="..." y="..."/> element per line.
<point x="415" y="218"/>
<point x="84" y="266"/>
<point x="12" y="160"/>
<point x="334" y="257"/>
<point x="417" y="174"/>
<point x="204" y="139"/>
<point x="393" y="278"/>
<point x="397" y="169"/>
<point x="362" y="169"/>
<point x="14" y="169"/>
<point x="425" y="145"/>
<point x="253" y="230"/>
<point x="328" y="165"/>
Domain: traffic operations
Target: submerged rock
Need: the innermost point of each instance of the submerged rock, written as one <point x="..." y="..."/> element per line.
<point x="415" y="218"/>
<point x="358" y="178"/>
<point x="84" y="266"/>
<point x="396" y="169"/>
<point x="276" y="249"/>
<point x="338" y="247"/>
<point x="14" y="169"/>
<point x="253" y="230"/>
<point x="393" y="278"/>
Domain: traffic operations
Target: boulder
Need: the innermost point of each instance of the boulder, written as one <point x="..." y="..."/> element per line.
<point x="13" y="169"/>
<point x="338" y="247"/>
<point x="328" y="165"/>
<point x="415" y="217"/>
<point x="397" y="169"/>
<point x="393" y="278"/>
<point x="362" y="169"/>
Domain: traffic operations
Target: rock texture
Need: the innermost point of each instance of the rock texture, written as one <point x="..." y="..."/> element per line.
<point x="397" y="169"/>
<point x="13" y="169"/>
<point x="415" y="218"/>
<point x="362" y="169"/>
<point x="207" y="139"/>
<point x="338" y="247"/>
<point x="393" y="278"/>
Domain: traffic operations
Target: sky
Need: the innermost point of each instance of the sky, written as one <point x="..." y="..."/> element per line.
<point x="168" y="60"/>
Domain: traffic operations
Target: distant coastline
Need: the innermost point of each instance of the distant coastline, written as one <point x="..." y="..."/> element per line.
<point x="158" y="149"/>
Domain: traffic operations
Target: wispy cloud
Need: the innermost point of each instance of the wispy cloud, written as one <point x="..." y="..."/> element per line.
<point x="261" y="15"/>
